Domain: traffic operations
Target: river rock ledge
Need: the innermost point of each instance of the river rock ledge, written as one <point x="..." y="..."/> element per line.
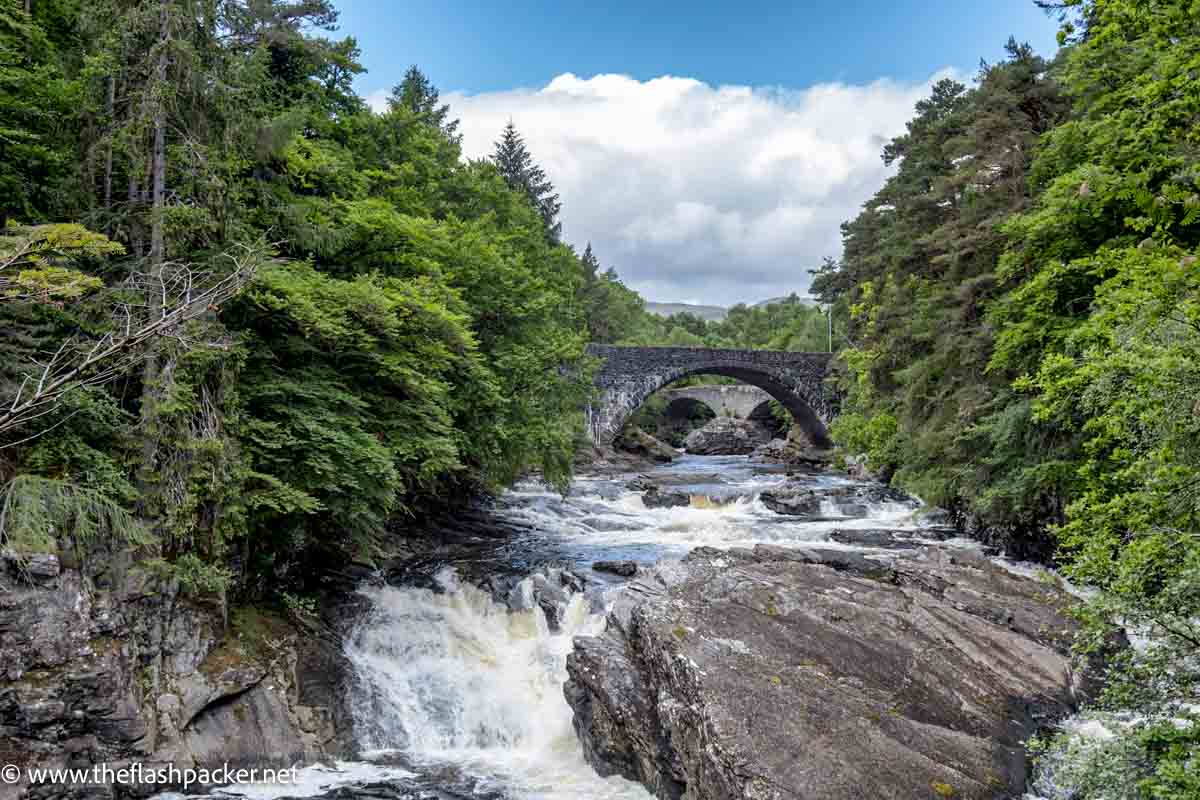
<point x="107" y="662"/>
<point x="781" y="673"/>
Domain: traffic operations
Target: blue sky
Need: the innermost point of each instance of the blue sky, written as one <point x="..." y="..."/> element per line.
<point x="726" y="181"/>
<point x="485" y="46"/>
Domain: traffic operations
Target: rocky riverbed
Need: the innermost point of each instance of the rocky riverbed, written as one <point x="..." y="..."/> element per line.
<point x="721" y="627"/>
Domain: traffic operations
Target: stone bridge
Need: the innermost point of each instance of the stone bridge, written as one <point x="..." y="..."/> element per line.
<point x="738" y="401"/>
<point x="629" y="375"/>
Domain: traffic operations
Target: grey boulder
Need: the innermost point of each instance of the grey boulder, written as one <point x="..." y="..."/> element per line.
<point x="776" y="673"/>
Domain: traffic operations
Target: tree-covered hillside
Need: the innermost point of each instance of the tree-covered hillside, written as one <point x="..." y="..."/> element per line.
<point x="1024" y="297"/>
<point x="247" y="321"/>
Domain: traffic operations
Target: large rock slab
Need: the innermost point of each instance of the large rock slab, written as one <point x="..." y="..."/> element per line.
<point x="782" y="673"/>
<point x="796" y="450"/>
<point x="106" y="661"/>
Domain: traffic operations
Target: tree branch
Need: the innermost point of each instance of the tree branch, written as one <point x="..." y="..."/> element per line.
<point x="182" y="293"/>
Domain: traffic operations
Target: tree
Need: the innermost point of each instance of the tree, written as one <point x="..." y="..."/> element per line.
<point x="521" y="173"/>
<point x="38" y="264"/>
<point x="612" y="310"/>
<point x="918" y="270"/>
<point x="417" y="94"/>
<point x="152" y="306"/>
<point x="36" y="124"/>
<point x="1024" y="309"/>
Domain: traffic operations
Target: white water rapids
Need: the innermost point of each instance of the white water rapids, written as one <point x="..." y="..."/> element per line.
<point x="453" y="677"/>
<point x="458" y="689"/>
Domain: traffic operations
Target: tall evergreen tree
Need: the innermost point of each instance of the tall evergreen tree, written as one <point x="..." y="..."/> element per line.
<point x="36" y="98"/>
<point x="591" y="264"/>
<point x="523" y="174"/>
<point x="416" y="93"/>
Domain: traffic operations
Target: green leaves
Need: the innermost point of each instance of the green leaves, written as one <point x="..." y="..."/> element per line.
<point x="352" y="389"/>
<point x="37" y="263"/>
<point x="1026" y="316"/>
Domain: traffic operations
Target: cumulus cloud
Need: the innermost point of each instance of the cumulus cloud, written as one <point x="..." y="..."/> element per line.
<point x="697" y="193"/>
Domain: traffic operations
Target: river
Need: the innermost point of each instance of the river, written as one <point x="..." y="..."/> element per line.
<point x="458" y="679"/>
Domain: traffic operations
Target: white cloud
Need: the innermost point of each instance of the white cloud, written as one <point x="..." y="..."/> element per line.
<point x="720" y="195"/>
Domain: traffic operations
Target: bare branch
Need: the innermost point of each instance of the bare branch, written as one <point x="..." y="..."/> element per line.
<point x="185" y="293"/>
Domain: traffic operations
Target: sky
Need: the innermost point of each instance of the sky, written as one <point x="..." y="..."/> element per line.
<point x="709" y="151"/>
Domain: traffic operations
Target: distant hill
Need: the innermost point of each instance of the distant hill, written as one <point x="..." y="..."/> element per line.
<point x="808" y="301"/>
<point x="711" y="313"/>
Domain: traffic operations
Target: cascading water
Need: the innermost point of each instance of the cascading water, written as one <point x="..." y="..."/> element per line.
<point x="453" y="677"/>
<point x="458" y="689"/>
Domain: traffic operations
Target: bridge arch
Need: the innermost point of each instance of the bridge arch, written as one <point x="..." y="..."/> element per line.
<point x="629" y="375"/>
<point x="764" y="415"/>
<point x="725" y="400"/>
<point x="687" y="406"/>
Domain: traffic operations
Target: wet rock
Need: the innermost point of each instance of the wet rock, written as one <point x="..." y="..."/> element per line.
<point x="859" y="466"/>
<point x="607" y="525"/>
<point x="1023" y="541"/>
<point x="571" y="581"/>
<point x="795" y="451"/>
<point x="656" y="498"/>
<point x="873" y="493"/>
<point x="551" y="599"/>
<point x="199" y="689"/>
<point x="840" y="560"/>
<point x="881" y="538"/>
<point x="625" y="569"/>
<point x="593" y="459"/>
<point x="642" y="483"/>
<point x="520" y="596"/>
<point x="934" y="517"/>
<point x="774" y="450"/>
<point x="103" y="661"/>
<point x="639" y="443"/>
<point x="941" y="533"/>
<point x="726" y="436"/>
<point x="792" y="500"/>
<point x="775" y="673"/>
<point x="796" y="498"/>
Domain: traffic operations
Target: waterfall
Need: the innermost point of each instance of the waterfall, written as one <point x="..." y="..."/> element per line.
<point x="453" y="677"/>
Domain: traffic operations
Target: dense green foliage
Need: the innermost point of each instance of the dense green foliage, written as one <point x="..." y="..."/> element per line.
<point x="416" y="333"/>
<point x="1025" y="312"/>
<point x="786" y="324"/>
<point x="523" y="175"/>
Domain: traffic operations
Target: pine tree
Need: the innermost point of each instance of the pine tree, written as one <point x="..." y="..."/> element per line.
<point x="416" y="93"/>
<point x="591" y="264"/>
<point x="524" y="175"/>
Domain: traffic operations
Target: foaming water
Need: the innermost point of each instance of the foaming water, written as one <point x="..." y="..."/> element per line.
<point x="454" y="677"/>
<point x="462" y="687"/>
<point x="602" y="520"/>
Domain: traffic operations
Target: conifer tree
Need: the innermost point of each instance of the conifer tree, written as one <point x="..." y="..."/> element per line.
<point x="517" y="166"/>
<point x="416" y="93"/>
<point x="591" y="264"/>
